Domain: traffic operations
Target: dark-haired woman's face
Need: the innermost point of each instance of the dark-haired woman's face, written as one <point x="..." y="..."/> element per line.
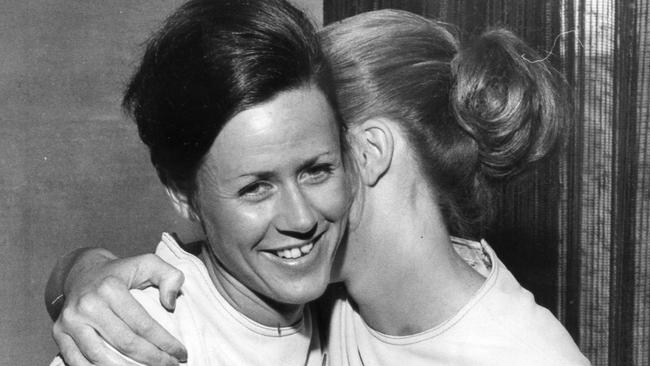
<point x="273" y="196"/>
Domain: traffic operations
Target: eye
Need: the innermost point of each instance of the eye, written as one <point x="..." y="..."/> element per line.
<point x="318" y="173"/>
<point x="256" y="191"/>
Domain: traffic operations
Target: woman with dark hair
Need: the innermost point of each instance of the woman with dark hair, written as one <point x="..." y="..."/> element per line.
<point x="433" y="127"/>
<point x="234" y="101"/>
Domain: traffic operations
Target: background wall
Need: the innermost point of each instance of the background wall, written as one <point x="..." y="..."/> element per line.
<point x="72" y="169"/>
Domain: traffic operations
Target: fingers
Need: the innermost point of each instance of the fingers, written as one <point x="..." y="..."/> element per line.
<point x="85" y="347"/>
<point x="91" y="351"/>
<point x="134" y="333"/>
<point x="153" y="270"/>
<point x="169" y="287"/>
<point x="139" y="349"/>
<point x="96" y="350"/>
<point x="94" y="312"/>
<point x="100" y="307"/>
<point x="69" y="351"/>
<point x="79" y="343"/>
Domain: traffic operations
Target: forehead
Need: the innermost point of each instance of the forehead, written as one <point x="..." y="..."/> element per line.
<point x="296" y="124"/>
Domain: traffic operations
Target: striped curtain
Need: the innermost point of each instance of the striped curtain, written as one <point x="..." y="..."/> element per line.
<point x="577" y="231"/>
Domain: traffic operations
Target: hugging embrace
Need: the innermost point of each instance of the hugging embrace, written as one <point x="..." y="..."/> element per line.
<point x="343" y="180"/>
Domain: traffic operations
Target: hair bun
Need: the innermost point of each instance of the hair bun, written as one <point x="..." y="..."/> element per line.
<point x="514" y="108"/>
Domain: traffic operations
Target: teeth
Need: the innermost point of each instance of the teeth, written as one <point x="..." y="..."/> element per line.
<point x="294" y="253"/>
<point x="306" y="248"/>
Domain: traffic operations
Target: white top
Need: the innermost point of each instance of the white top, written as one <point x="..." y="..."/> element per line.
<point x="214" y="332"/>
<point x="501" y="326"/>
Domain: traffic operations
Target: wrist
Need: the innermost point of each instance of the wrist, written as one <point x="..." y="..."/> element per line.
<point x="80" y="262"/>
<point x="77" y="261"/>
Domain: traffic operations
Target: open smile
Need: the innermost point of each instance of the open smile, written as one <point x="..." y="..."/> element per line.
<point x="296" y="251"/>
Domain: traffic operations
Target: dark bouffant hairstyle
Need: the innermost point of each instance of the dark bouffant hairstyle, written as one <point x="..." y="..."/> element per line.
<point x="209" y="61"/>
<point x="473" y="116"/>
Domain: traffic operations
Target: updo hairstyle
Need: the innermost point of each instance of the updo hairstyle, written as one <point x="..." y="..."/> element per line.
<point x="210" y="60"/>
<point x="473" y="116"/>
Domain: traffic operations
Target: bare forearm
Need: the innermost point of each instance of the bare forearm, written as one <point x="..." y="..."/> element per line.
<point x="78" y="260"/>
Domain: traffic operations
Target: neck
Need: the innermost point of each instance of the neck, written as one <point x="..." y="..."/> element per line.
<point x="249" y="303"/>
<point x="404" y="274"/>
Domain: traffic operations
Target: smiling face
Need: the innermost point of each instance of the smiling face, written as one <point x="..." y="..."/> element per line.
<point x="272" y="196"/>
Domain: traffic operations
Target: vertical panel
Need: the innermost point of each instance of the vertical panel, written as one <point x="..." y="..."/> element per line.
<point x="625" y="147"/>
<point x="641" y="332"/>
<point x="571" y="175"/>
<point x="597" y="180"/>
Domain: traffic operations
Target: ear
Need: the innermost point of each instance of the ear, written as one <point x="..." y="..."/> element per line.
<point x="181" y="204"/>
<point x="374" y="146"/>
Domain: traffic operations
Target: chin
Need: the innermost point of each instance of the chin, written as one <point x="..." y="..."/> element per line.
<point x="303" y="293"/>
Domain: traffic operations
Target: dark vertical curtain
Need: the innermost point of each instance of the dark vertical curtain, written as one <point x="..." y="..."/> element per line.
<point x="576" y="232"/>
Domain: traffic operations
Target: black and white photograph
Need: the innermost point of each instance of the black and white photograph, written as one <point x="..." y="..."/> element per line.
<point x="325" y="182"/>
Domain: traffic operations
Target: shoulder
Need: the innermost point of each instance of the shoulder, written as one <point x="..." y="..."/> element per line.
<point x="526" y="328"/>
<point x="170" y="250"/>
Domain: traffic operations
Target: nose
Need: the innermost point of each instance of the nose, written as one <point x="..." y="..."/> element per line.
<point x="297" y="216"/>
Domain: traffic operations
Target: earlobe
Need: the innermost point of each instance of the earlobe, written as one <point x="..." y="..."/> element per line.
<point x="374" y="149"/>
<point x="181" y="204"/>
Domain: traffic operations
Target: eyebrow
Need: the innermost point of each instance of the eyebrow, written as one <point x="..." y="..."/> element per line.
<point x="266" y="174"/>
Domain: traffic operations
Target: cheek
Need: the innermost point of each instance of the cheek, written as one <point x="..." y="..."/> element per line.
<point x="333" y="199"/>
<point x="235" y="226"/>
